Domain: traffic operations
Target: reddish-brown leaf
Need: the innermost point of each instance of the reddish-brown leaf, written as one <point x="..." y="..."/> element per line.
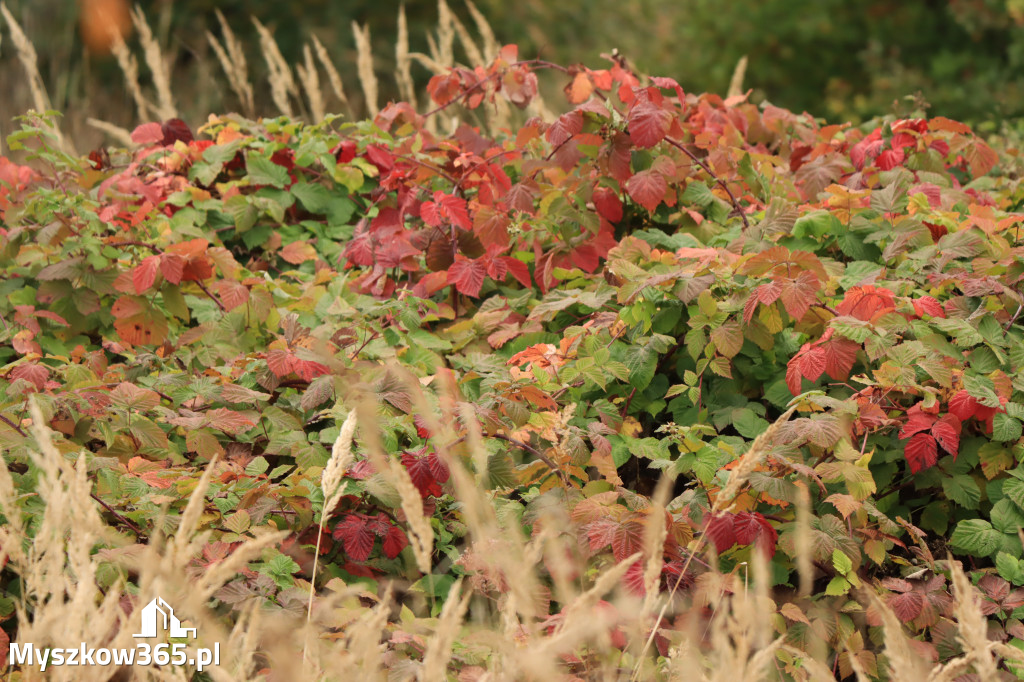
<point x="144" y="273"/>
<point x="648" y="123"/>
<point x="720" y="532"/>
<point x="467" y="275"/>
<point x="357" y="537"/>
<point x="607" y="203"/>
<point x="647" y="188"/>
<point x="921" y="452"/>
<point x="907" y="605"/>
<point x="947" y="432"/>
<point x="799" y="293"/>
<point x="865" y="302"/>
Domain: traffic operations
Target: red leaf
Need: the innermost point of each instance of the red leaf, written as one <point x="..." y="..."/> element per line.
<point x="280" y="362"/>
<point x="627" y="539"/>
<point x="565" y="128"/>
<point x="358" y="538"/>
<point x="720" y="532"/>
<point x="607" y="203"/>
<point x="799" y="293"/>
<point x="751" y="528"/>
<point x="446" y="207"/>
<point x="921" y="452"/>
<point x="148" y="133"/>
<point x="866" y="302"/>
<point x="963" y="405"/>
<point x="647" y="188"/>
<point x="394" y="542"/>
<point x="422" y="473"/>
<point x="926" y="305"/>
<point x="766" y="293"/>
<point x="648" y="123"/>
<point x="917" y="422"/>
<point x="173" y="267"/>
<point x="344" y="151"/>
<point x="840" y="355"/>
<point x="947" y="432"/>
<point x="144" y="273"/>
<point x="907" y="606"/>
<point x="467" y="275"/>
<point x="229" y="421"/>
<point x="175" y="129"/>
<point x="308" y="369"/>
<point x="812" y="363"/>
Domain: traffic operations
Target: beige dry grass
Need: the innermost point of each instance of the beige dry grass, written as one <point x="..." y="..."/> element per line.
<point x="63" y="600"/>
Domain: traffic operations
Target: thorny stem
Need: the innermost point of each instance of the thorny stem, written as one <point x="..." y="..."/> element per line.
<point x="212" y="297"/>
<point x="721" y="183"/>
<point x="126" y="521"/>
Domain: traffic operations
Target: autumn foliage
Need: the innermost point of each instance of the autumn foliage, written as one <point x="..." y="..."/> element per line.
<point x="568" y="311"/>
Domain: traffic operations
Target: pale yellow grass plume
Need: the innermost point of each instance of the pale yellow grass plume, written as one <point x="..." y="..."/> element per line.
<point x="333" y="77"/>
<point x="122" y="136"/>
<point x="491" y="44"/>
<point x="333" y="488"/>
<point x="439" y="647"/>
<point x="130" y="68"/>
<point x="232" y="59"/>
<point x="310" y="79"/>
<point x="29" y="61"/>
<point x="282" y="83"/>
<point x="754" y="455"/>
<point x="364" y="67"/>
<point x="403" y="73"/>
<point x="165" y="108"/>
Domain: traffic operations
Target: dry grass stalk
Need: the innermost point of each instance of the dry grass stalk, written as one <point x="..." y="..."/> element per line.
<point x="972" y="630"/>
<point x="736" y="82"/>
<point x="282" y="84"/>
<point x="310" y="79"/>
<point x="364" y="67"/>
<point x="443" y="50"/>
<point x="491" y="44"/>
<point x="748" y="462"/>
<point x="904" y="663"/>
<point x="439" y="647"/>
<point x="428" y="62"/>
<point x="333" y="77"/>
<point x="476" y="57"/>
<point x="655" y="534"/>
<point x="333" y="488"/>
<point x="403" y="74"/>
<point x="232" y="59"/>
<point x="29" y="61"/>
<point x="130" y="68"/>
<point x="804" y="541"/>
<point x="157" y="65"/>
<point x="119" y="134"/>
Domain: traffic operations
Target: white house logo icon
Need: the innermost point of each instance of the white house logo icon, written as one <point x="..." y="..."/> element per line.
<point x="158" y="615"/>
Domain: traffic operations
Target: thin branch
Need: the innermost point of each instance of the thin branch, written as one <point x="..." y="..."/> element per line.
<point x="534" y="451"/>
<point x="12" y="425"/>
<point x="126" y="521"/>
<point x="721" y="183"/>
<point x="212" y="297"/>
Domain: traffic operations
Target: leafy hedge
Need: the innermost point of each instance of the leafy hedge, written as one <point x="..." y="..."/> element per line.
<point x="641" y="287"/>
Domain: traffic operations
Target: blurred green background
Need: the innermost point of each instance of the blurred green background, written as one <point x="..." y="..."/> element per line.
<point x="838" y="59"/>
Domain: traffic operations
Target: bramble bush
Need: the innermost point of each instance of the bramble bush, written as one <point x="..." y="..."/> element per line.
<point x="665" y="325"/>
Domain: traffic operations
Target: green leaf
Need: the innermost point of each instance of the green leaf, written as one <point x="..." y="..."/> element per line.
<point x="1014" y="490"/>
<point x="963" y="490"/>
<point x="1010" y="568"/>
<point x="641" y="362"/>
<point x="315" y="198"/>
<point x="1005" y="428"/>
<point x="842" y="563"/>
<point x="263" y="171"/>
<point x="1007" y="517"/>
<point x="748" y="424"/>
<point x="976" y="537"/>
<point x="837" y="586"/>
